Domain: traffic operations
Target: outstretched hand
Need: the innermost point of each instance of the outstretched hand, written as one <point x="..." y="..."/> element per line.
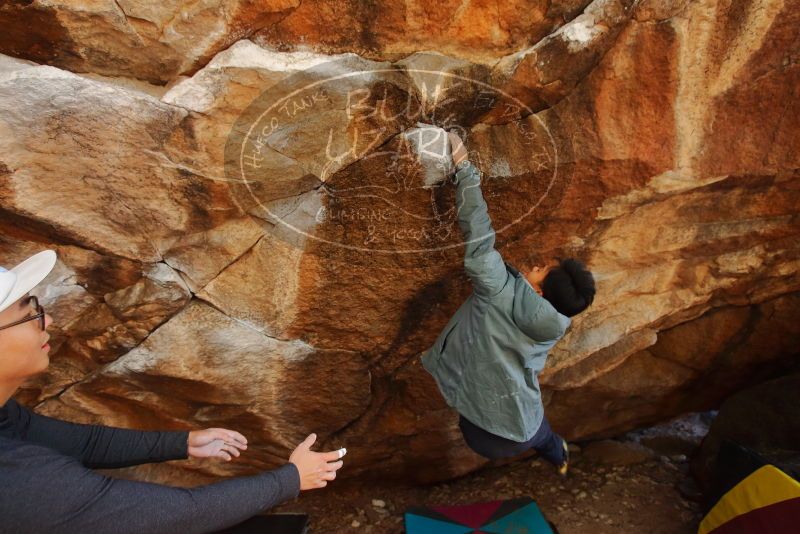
<point x="457" y="148"/>
<point x="216" y="443"/>
<point x="316" y="468"/>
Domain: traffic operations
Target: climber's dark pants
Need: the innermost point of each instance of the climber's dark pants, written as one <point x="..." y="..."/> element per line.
<point x="546" y="442"/>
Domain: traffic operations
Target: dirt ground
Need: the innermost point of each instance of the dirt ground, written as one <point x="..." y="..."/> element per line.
<point x="610" y="489"/>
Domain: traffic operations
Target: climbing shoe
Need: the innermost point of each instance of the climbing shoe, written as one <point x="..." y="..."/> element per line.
<point x="564" y="467"/>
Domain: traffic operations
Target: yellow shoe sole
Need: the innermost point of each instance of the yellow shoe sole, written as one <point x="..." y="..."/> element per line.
<point x="564" y="468"/>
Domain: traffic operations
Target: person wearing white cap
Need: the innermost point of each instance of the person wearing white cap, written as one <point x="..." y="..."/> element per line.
<point x="45" y="463"/>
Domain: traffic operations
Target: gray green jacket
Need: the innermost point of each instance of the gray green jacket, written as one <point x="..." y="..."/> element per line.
<point x="487" y="359"/>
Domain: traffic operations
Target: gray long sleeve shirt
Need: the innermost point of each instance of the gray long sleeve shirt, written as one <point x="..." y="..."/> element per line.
<point x="46" y="484"/>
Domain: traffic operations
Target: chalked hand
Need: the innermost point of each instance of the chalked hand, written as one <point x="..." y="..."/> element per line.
<point x="432" y="148"/>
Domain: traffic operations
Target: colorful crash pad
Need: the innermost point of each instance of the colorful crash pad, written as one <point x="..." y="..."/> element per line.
<point x="767" y="501"/>
<point x="515" y="515"/>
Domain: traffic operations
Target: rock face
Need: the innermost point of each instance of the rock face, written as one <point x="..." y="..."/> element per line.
<point x="763" y="419"/>
<point x="245" y="239"/>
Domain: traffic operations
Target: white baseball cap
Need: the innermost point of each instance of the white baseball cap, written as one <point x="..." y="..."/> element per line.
<point x="18" y="280"/>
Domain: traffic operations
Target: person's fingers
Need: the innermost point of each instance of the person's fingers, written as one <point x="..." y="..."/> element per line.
<point x="230" y="436"/>
<point x="219" y="433"/>
<point x="309" y="441"/>
<point x="334" y="455"/>
<point x="225" y="456"/>
<point x="236" y="444"/>
<point x="330" y="475"/>
<point x="305" y="445"/>
<point x="322" y="484"/>
<point x="230" y="449"/>
<point x="235" y="436"/>
<point x="334" y="466"/>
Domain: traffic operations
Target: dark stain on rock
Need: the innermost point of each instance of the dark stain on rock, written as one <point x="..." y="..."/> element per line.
<point x="423" y="317"/>
<point x="34" y="32"/>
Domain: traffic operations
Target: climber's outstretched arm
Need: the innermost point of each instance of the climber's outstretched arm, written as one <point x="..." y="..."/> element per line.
<point x="482" y="261"/>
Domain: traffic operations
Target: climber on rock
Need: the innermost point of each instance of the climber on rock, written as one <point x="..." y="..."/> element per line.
<point x="487" y="359"/>
<point x="46" y="463"/>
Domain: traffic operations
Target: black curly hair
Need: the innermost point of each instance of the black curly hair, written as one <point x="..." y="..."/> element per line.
<point x="569" y="287"/>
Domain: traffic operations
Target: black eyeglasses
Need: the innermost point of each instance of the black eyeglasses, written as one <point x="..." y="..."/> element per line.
<point x="38" y="315"/>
